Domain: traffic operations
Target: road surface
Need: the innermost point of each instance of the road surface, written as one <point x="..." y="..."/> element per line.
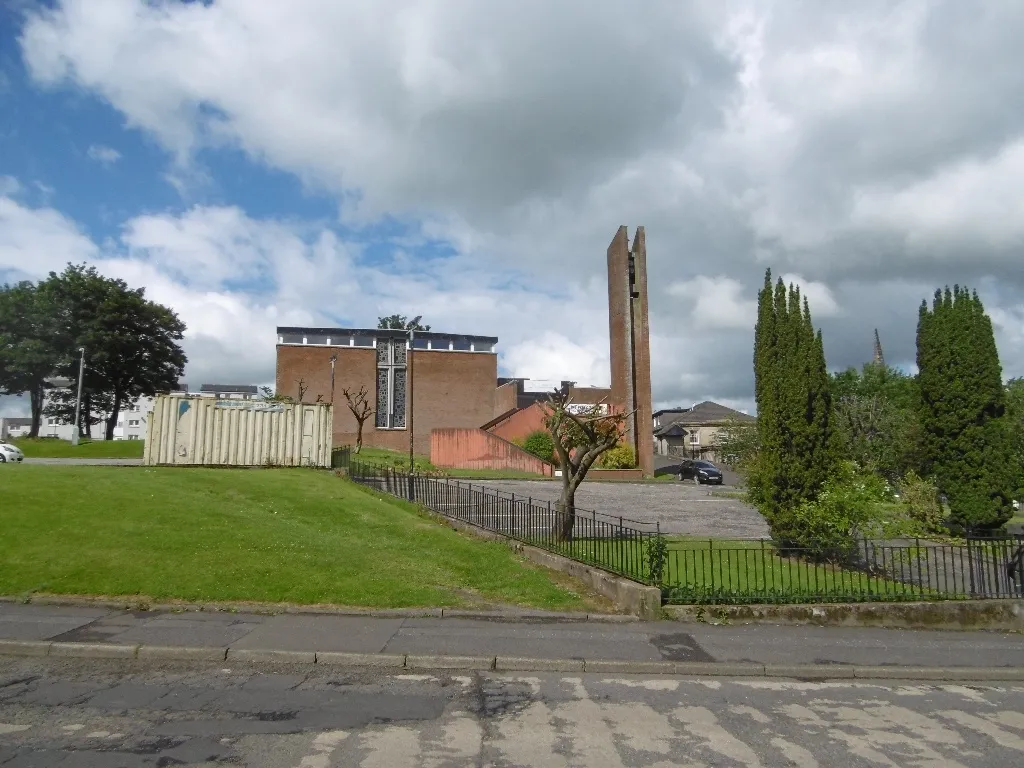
<point x="112" y="714"/>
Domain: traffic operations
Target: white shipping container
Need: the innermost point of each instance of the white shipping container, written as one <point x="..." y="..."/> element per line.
<point x="238" y="433"/>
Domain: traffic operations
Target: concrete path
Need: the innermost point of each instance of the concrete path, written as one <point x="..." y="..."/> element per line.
<point x="107" y="714"/>
<point x="74" y="462"/>
<point x="538" y="638"/>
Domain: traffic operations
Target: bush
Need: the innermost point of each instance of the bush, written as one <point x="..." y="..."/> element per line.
<point x="541" y="445"/>
<point x="921" y="500"/>
<point x="619" y="457"/>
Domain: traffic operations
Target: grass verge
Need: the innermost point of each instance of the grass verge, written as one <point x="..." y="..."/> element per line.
<point x="422" y="464"/>
<point x="284" y="535"/>
<point x="53" y="448"/>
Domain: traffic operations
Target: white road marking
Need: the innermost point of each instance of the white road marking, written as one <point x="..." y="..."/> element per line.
<point x="12" y="728"/>
<point x="391" y="747"/>
<point x="649" y="685"/>
<point x="323" y="747"/>
<point x="461" y="740"/>
<point x="72" y="728"/>
<point x="983" y="726"/>
<point x="587" y="731"/>
<point x="640" y="726"/>
<point x="702" y="723"/>
<point x="794" y="753"/>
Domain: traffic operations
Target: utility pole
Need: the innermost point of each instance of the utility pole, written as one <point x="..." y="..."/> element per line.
<point x="334" y="359"/>
<point x="409" y="386"/>
<point x="78" y="399"/>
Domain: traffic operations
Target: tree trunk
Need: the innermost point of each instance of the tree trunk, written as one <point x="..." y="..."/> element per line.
<point x="566" y="520"/>
<point x="85" y="417"/>
<point x="112" y="421"/>
<point x="36" y="398"/>
<point x="359" y="436"/>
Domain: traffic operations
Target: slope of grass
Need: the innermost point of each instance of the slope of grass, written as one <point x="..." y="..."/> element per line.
<point x="52" y="448"/>
<point x="260" y="535"/>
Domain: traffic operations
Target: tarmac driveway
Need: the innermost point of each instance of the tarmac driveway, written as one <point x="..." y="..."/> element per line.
<point x="680" y="508"/>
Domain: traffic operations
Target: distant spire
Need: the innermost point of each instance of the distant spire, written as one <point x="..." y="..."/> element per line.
<point x="879" y="357"/>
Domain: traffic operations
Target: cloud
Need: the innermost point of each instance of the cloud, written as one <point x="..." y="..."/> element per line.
<point x="9" y="186"/>
<point x="103" y="155"/>
<point x="870" y="149"/>
<point x="36" y="241"/>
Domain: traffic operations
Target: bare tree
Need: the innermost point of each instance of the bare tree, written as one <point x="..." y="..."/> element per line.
<point x="580" y="439"/>
<point x="359" y="404"/>
<point x="303" y="386"/>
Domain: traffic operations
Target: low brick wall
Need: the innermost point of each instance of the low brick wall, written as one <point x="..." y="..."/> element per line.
<point x="939" y="614"/>
<point x="622" y="475"/>
<point x="454" y="448"/>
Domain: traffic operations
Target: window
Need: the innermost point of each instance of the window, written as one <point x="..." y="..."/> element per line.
<point x="133" y="422"/>
<point x="695" y="437"/>
<point x="51" y="422"/>
<point x="120" y="424"/>
<point x="391" y="357"/>
<point x="135" y="409"/>
<point x="133" y="437"/>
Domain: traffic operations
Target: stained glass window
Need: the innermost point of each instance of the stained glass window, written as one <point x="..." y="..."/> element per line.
<point x="399" y="399"/>
<point x="391" y="383"/>
<point x="398" y="349"/>
<point x="383" y="349"/>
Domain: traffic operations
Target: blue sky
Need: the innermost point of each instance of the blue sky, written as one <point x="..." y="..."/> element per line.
<point x="255" y="163"/>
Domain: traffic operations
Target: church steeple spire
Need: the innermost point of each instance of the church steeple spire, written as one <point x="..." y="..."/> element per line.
<point x="879" y="356"/>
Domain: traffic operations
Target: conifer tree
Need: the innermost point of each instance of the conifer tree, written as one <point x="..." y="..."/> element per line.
<point x="967" y="440"/>
<point x="794" y="409"/>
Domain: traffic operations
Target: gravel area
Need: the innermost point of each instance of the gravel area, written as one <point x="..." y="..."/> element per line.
<point x="680" y="508"/>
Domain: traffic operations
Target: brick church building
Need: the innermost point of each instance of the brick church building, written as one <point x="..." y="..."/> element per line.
<point x="452" y="379"/>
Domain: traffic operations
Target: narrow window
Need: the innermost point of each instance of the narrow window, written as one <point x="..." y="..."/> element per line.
<point x="391" y="383"/>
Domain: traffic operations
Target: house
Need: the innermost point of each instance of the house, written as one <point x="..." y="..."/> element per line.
<point x="229" y="391"/>
<point x="13" y="426"/>
<point x="693" y="432"/>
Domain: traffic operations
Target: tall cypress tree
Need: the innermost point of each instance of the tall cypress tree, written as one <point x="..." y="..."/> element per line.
<point x="793" y="408"/>
<point x="966" y="437"/>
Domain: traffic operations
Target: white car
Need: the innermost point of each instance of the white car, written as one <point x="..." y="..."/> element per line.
<point x="10" y="452"/>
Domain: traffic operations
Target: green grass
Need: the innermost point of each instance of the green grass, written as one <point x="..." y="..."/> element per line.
<point x="266" y="535"/>
<point x="422" y="464"/>
<point x="52" y="448"/>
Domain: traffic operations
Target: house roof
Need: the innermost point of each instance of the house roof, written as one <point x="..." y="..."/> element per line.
<point x="710" y="413"/>
<point x="16" y="421"/>
<point x="671" y="430"/>
<point x="663" y="411"/>
<point x="223" y="389"/>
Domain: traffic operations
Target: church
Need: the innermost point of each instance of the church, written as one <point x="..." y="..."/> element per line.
<point x="448" y="382"/>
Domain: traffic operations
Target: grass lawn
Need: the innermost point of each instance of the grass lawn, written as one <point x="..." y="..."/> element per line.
<point x="422" y="463"/>
<point x="52" y="448"/>
<point x="274" y="535"/>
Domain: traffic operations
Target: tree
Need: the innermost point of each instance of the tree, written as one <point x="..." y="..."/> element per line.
<point x="795" y="430"/>
<point x="967" y="441"/>
<point x="28" y="355"/>
<point x="359" y="403"/>
<point x="94" y="408"/>
<point x="1015" y="413"/>
<point x="737" y="444"/>
<point x="130" y="342"/>
<point x="580" y="439"/>
<point x="402" y="323"/>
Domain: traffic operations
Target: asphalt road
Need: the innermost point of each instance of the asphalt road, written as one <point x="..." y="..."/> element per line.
<point x="125" y="714"/>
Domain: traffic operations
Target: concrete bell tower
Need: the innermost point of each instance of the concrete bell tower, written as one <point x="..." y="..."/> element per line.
<point x="629" y="336"/>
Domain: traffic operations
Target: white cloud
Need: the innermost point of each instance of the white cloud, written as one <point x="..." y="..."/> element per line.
<point x="870" y="148"/>
<point x="9" y="186"/>
<point x="819" y="296"/>
<point x="103" y="155"/>
<point x="36" y="241"/>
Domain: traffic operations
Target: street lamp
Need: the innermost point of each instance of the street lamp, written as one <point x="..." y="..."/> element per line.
<point x="78" y="398"/>
<point x="409" y="386"/>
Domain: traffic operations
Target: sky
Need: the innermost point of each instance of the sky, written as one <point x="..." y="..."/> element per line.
<point x="254" y="163"/>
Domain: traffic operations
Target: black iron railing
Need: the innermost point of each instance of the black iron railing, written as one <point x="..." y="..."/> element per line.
<point x="616" y="544"/>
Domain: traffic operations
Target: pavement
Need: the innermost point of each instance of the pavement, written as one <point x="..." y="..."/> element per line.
<point x="111" y="714"/>
<point x="538" y="641"/>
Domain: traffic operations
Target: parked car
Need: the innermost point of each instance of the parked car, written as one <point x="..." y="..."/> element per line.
<point x="700" y="471"/>
<point x="10" y="452"/>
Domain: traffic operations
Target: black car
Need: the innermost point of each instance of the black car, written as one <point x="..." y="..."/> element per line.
<point x="700" y="471"/>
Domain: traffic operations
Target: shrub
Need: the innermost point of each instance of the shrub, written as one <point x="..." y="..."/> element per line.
<point x="541" y="445"/>
<point x="921" y="500"/>
<point x="619" y="457"/>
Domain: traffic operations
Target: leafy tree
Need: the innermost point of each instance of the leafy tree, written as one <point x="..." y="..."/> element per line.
<point x="737" y="444"/>
<point x="28" y="355"/>
<point x="95" y="407"/>
<point x="580" y="439"/>
<point x="967" y="441"/>
<point x="130" y="342"/>
<point x="1015" y="412"/>
<point x="402" y="323"/>
<point x="794" y="405"/>
<point x="268" y="394"/>
<point x="541" y="445"/>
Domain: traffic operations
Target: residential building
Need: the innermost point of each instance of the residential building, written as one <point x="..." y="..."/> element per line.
<point x="230" y="391"/>
<point x="693" y="432"/>
<point x="14" y="426"/>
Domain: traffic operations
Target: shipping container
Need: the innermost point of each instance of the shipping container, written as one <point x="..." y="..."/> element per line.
<point x="238" y="433"/>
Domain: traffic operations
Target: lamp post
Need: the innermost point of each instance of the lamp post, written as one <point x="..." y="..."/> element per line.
<point x="409" y="386"/>
<point x="78" y="398"/>
<point x="334" y="359"/>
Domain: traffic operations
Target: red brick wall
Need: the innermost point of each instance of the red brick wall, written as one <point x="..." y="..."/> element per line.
<point x="520" y="424"/>
<point x="450" y="389"/>
<point x="476" y="449"/>
<point x="506" y="398"/>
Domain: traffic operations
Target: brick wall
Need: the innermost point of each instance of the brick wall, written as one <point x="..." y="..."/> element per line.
<point x="450" y="389"/>
<point x="520" y="424"/>
<point x="477" y="449"/>
<point x="505" y="399"/>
